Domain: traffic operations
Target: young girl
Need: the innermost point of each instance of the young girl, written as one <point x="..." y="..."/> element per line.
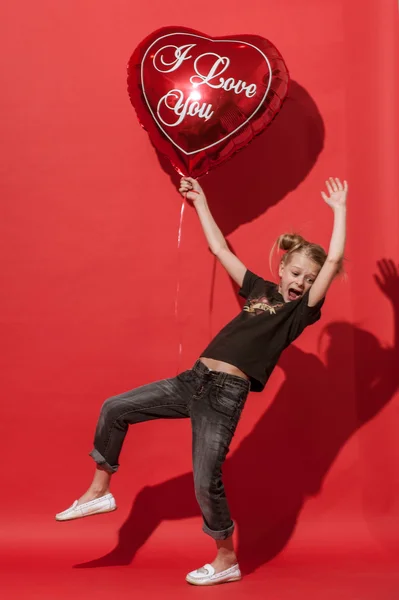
<point x="213" y="393"/>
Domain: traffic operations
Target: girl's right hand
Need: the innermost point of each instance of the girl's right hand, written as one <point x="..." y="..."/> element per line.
<point x="191" y="190"/>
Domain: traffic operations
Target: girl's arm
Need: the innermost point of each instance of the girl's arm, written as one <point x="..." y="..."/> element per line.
<point x="337" y="200"/>
<point x="191" y="189"/>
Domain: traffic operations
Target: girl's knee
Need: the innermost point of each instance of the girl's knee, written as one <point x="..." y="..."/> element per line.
<point x="111" y="406"/>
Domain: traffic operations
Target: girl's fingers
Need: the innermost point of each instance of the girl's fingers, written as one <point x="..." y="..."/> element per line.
<point x="324" y="196"/>
<point x="339" y="184"/>
<point x="345" y="186"/>
<point x="333" y="184"/>
<point x="329" y="188"/>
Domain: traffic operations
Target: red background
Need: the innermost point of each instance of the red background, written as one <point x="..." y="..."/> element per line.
<point x="90" y="267"/>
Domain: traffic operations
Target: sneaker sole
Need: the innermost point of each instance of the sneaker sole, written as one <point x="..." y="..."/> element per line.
<point x="230" y="580"/>
<point x="94" y="514"/>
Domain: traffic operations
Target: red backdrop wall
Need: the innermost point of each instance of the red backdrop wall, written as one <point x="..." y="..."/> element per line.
<point x="90" y="267"/>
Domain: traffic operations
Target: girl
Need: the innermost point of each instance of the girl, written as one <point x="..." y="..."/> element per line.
<point x="213" y="393"/>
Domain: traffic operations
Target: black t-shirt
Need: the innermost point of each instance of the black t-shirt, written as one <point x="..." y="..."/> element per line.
<point x="254" y="340"/>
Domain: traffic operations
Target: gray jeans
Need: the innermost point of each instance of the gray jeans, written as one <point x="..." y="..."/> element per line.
<point x="213" y="401"/>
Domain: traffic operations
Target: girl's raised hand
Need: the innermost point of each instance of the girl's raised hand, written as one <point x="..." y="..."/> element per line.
<point x="191" y="189"/>
<point x="336" y="192"/>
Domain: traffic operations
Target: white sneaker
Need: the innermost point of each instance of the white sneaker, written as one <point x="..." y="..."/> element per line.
<point x="94" y="507"/>
<point x="209" y="577"/>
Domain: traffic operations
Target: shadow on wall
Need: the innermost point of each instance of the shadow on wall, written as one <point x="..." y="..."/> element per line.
<point x="271" y="166"/>
<point x="291" y="448"/>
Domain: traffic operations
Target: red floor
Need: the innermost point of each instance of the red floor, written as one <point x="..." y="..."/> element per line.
<point x="41" y="561"/>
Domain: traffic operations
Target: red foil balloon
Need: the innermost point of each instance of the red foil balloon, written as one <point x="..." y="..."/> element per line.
<point x="202" y="99"/>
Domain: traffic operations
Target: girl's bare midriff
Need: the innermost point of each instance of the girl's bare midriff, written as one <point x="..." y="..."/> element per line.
<point x="219" y="365"/>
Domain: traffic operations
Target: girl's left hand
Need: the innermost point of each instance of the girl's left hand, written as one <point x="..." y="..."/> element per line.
<point x="337" y="192"/>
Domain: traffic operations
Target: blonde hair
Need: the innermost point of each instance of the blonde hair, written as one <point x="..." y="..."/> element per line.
<point x="291" y="243"/>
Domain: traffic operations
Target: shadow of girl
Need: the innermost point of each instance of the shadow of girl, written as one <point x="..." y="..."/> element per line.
<point x="290" y="450"/>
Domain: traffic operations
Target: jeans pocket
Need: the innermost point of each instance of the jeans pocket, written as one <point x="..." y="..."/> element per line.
<point x="228" y="399"/>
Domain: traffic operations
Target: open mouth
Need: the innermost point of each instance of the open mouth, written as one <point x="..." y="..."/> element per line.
<point x="294" y="294"/>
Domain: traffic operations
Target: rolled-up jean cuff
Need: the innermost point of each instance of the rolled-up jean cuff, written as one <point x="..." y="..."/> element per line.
<point x="219" y="535"/>
<point x="100" y="460"/>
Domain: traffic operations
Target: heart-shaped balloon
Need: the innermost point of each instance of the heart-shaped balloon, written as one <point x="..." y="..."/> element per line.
<point x="202" y="99"/>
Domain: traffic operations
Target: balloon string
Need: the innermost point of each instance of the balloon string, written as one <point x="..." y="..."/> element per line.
<point x="211" y="298"/>
<point x="178" y="287"/>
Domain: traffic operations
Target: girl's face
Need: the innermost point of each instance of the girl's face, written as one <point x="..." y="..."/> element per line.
<point x="297" y="276"/>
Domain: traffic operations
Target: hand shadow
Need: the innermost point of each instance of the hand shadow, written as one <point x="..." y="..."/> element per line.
<point x="270" y="167"/>
<point x="291" y="448"/>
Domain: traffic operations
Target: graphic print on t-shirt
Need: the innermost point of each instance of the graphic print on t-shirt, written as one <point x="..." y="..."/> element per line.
<point x="257" y="306"/>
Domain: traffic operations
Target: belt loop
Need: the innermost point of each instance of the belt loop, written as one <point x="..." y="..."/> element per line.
<point x="221" y="378"/>
<point x="197" y="367"/>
